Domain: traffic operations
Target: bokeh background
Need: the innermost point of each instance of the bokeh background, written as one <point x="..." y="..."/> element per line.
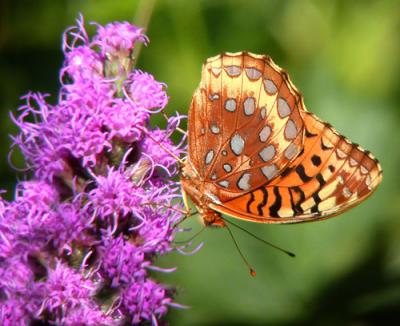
<point x="345" y="58"/>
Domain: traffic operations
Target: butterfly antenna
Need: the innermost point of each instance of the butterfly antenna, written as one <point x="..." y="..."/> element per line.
<point x="252" y="271"/>
<point x="291" y="254"/>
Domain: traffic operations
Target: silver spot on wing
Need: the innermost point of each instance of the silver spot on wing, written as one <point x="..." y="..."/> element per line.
<point x="269" y="171"/>
<point x="270" y="86"/>
<point x="243" y="182"/>
<point x="265" y="133"/>
<point x="249" y="106"/>
<point x="253" y="73"/>
<point x="230" y="105"/>
<point x="237" y="144"/>
<point x="290" y="129"/>
<point x="209" y="156"/>
<point x="233" y="71"/>
<point x="267" y="153"/>
<point x="283" y="108"/>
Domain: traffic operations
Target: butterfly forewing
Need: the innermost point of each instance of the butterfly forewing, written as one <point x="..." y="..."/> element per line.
<point x="330" y="176"/>
<point x="245" y="123"/>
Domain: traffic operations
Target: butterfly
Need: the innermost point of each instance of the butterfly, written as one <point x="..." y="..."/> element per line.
<point x="256" y="153"/>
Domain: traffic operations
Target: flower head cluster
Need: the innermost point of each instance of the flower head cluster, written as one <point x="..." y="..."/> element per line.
<point x="79" y="239"/>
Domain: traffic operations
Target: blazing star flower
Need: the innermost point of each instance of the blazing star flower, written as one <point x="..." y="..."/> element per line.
<point x="37" y="141"/>
<point x="114" y="193"/>
<point x="66" y="288"/>
<point x="149" y="146"/>
<point x="145" y="301"/>
<point x="144" y="90"/>
<point x="122" y="261"/>
<point x="30" y="218"/>
<point x="119" y="37"/>
<point x="83" y="64"/>
<point x="89" y="315"/>
<point x="126" y="120"/>
<point x="13" y="312"/>
<point x="99" y="203"/>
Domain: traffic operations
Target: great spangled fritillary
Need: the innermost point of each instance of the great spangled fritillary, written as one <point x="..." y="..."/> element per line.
<point x="257" y="154"/>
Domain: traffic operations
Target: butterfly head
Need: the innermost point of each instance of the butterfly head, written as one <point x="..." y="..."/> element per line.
<point x="197" y="190"/>
<point x="212" y="218"/>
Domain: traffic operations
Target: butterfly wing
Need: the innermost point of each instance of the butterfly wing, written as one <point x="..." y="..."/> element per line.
<point x="245" y="123"/>
<point x="329" y="176"/>
<point x="261" y="155"/>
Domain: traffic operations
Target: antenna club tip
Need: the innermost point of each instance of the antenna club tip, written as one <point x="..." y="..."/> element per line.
<point x="253" y="272"/>
<point x="291" y="254"/>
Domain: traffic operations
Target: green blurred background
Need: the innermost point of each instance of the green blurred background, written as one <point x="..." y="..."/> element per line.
<point x="345" y="58"/>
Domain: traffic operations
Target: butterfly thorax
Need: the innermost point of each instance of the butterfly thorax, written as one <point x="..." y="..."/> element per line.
<point x="198" y="191"/>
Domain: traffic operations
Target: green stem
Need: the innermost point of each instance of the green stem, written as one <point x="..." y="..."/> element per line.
<point x="142" y="19"/>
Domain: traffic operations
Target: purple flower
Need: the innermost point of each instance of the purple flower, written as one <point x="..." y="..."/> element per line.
<point x="73" y="226"/>
<point x="16" y="277"/>
<point x="29" y="219"/>
<point x="145" y="91"/>
<point x="37" y="141"/>
<point x="13" y="312"/>
<point x="83" y="64"/>
<point x="125" y="120"/>
<point x="122" y="261"/>
<point x="7" y="245"/>
<point x="87" y="315"/>
<point x="114" y="194"/>
<point x="151" y="147"/>
<point x="79" y="117"/>
<point x="101" y="204"/>
<point x="145" y="301"/>
<point x="158" y="233"/>
<point x="17" y="285"/>
<point x="66" y="289"/>
<point x="118" y="37"/>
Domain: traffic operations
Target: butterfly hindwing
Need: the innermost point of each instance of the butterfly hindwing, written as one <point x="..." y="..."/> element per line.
<point x="330" y="176"/>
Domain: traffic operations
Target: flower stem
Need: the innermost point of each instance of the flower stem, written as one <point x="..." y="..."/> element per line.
<point x="142" y="18"/>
